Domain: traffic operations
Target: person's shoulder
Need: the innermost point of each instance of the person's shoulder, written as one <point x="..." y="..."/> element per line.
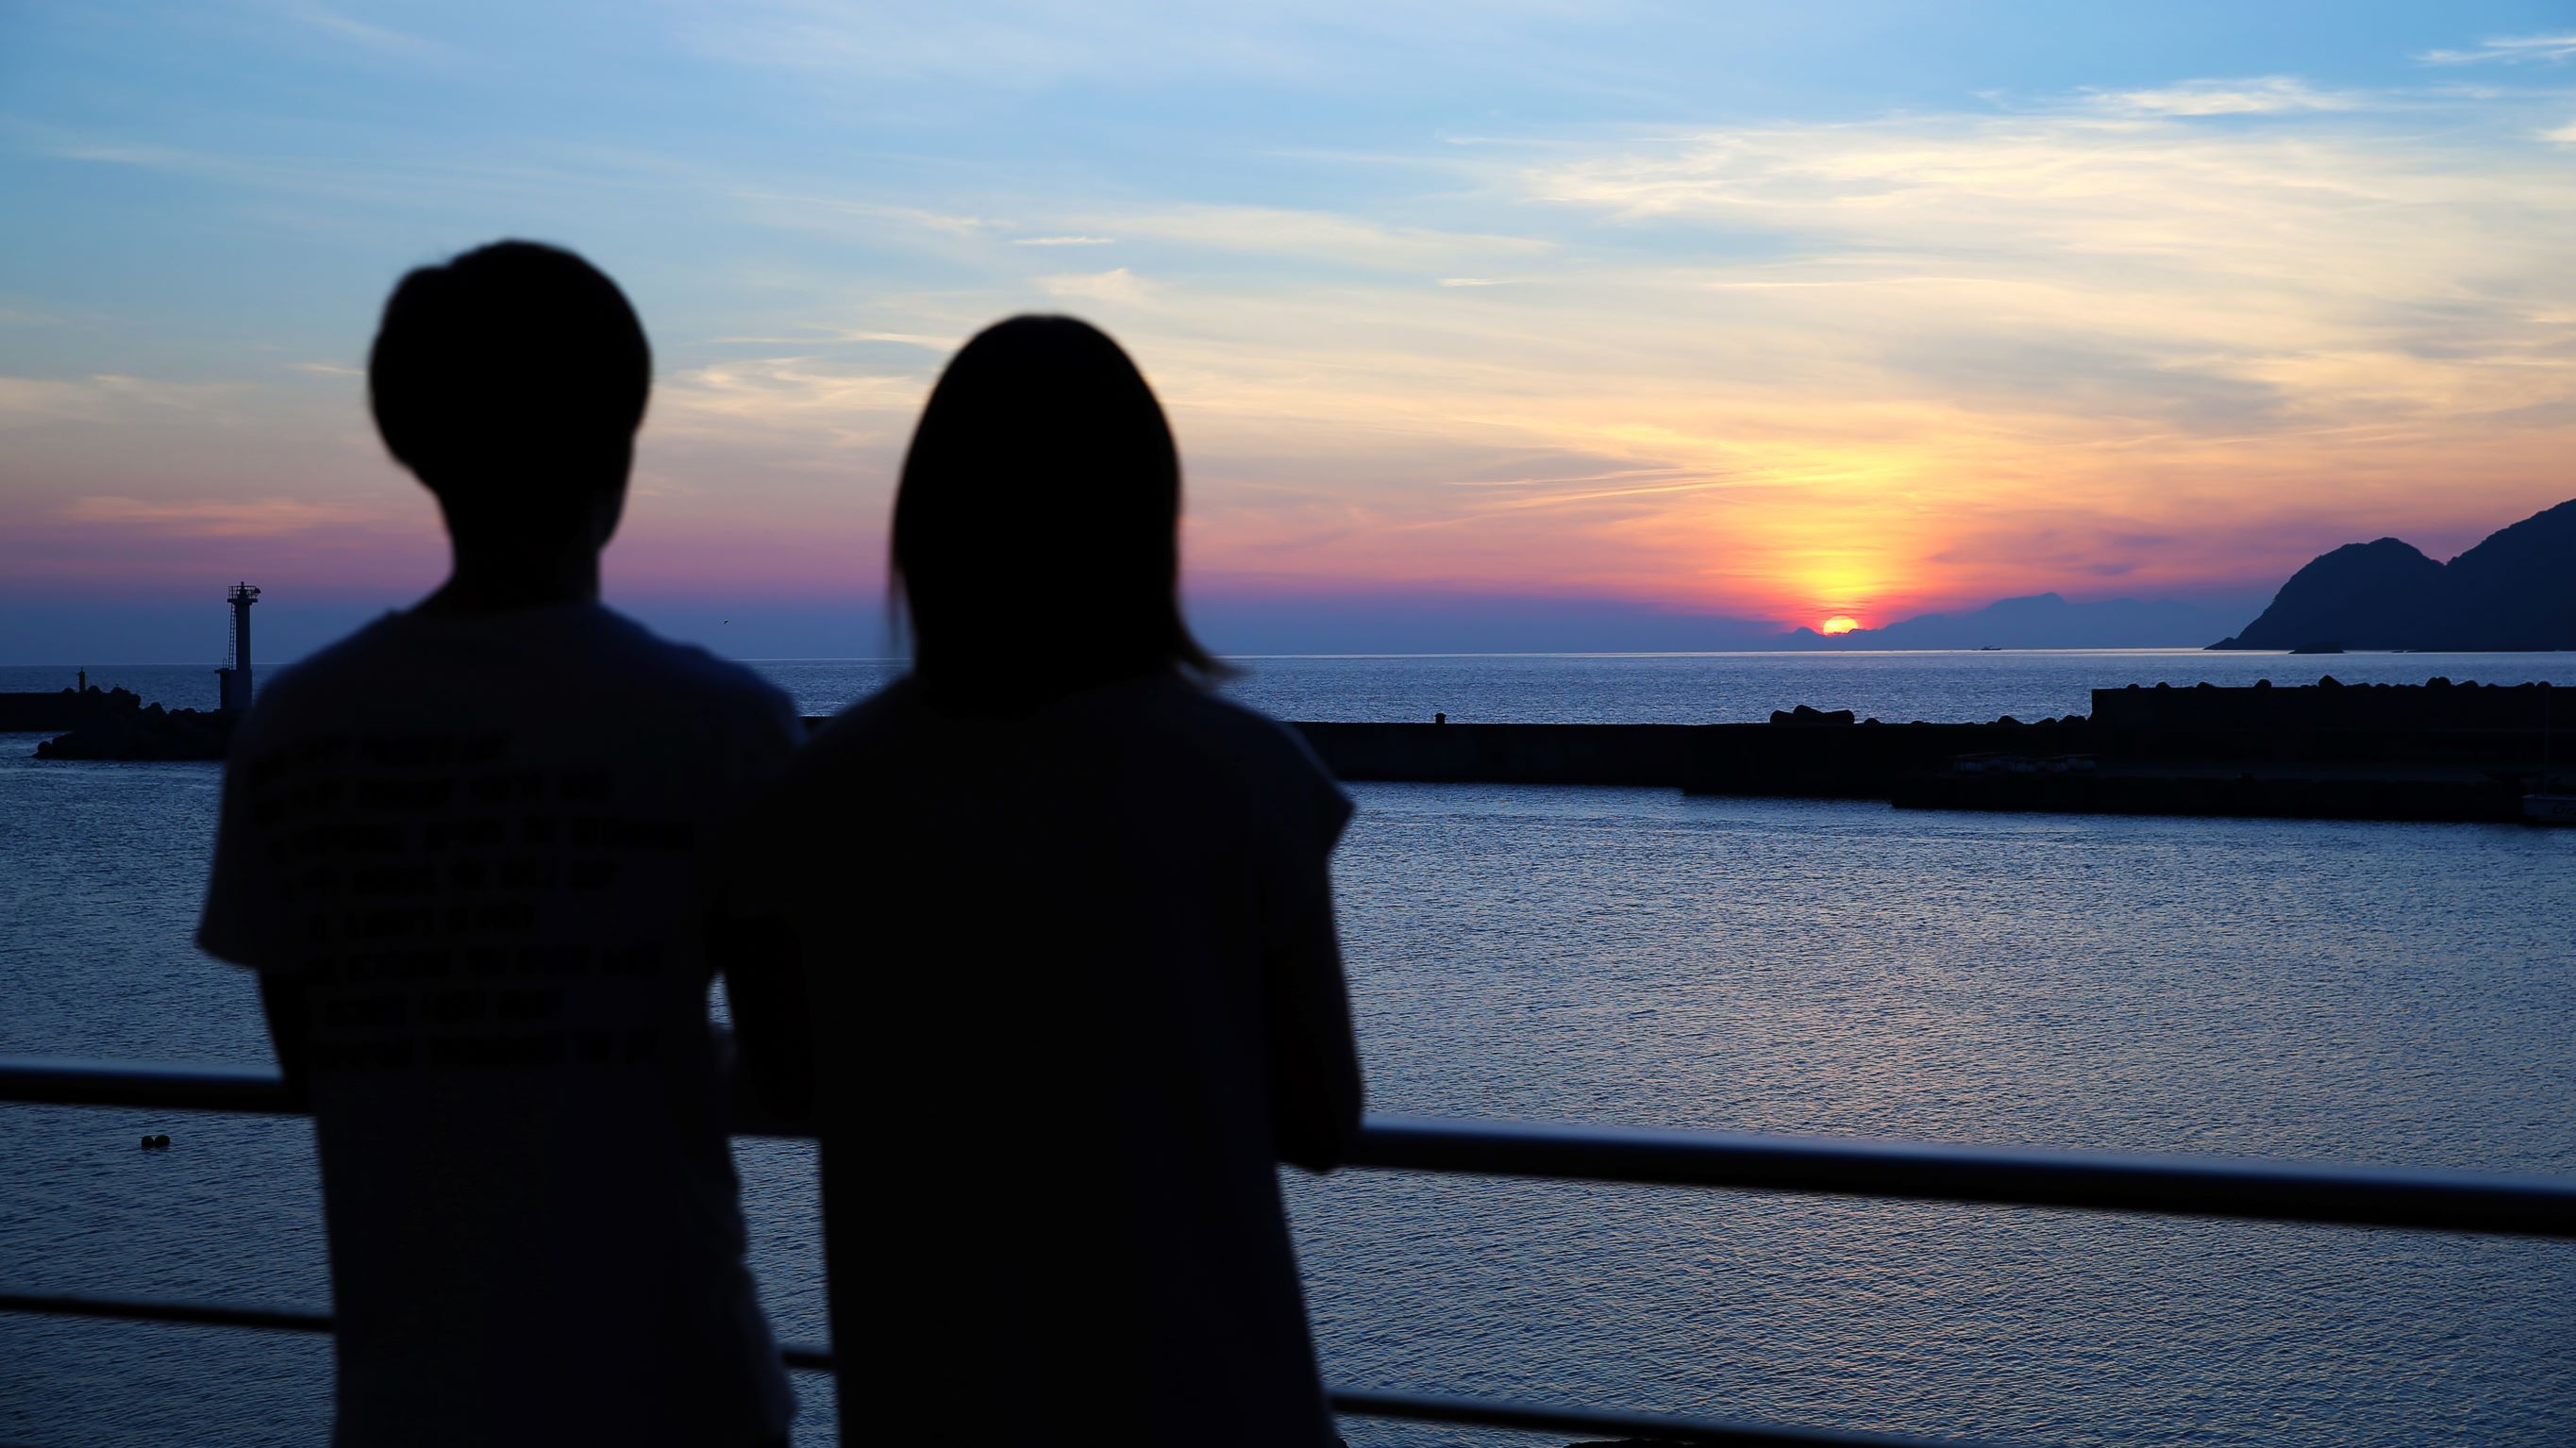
<point x="1243" y="738"/>
<point x="323" y="680"/>
<point x="693" y="673"/>
<point x="1244" y="754"/>
<point x="852" y="756"/>
<point x="1221" y="718"/>
<point x="867" y="724"/>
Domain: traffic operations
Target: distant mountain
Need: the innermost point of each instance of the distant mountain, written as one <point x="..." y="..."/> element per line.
<point x="2041" y="621"/>
<point x="2362" y="596"/>
<point x="2515" y="591"/>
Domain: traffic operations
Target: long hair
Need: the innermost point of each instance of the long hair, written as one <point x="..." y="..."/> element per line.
<point x="1036" y="543"/>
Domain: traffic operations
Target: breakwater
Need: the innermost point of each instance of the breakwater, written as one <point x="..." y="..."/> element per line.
<point x="35" y="712"/>
<point x="2432" y="751"/>
<point x="115" y="724"/>
<point x="2327" y="723"/>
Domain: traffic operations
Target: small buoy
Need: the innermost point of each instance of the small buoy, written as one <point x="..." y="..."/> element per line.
<point x="147" y="1143"/>
<point x="155" y="1143"/>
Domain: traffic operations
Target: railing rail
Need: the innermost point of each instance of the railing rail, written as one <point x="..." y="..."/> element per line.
<point x="2486" y="1203"/>
<point x="1355" y="1402"/>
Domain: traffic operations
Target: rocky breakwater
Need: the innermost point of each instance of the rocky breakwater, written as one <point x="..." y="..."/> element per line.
<point x="2430" y="751"/>
<point x="49" y="710"/>
<point x="119" y="726"/>
<point x="1827" y="754"/>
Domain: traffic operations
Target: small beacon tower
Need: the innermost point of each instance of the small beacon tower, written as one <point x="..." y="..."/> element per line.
<point x="233" y="680"/>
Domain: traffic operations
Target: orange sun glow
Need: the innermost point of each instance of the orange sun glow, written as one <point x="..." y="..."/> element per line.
<point x="1841" y="623"/>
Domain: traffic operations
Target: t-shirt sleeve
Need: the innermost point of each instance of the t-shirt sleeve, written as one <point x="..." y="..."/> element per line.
<point x="244" y="917"/>
<point x="1315" y="1088"/>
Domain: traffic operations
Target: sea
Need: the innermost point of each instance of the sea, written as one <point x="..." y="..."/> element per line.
<point x="2394" y="994"/>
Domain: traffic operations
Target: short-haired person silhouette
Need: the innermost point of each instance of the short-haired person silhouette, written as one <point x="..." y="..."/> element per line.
<point x="465" y="850"/>
<point x="1070" y="986"/>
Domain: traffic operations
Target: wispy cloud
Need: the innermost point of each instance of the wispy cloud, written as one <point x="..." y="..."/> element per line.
<point x="2261" y="95"/>
<point x="841" y="212"/>
<point x="366" y="34"/>
<point x="218" y="518"/>
<point x="108" y="397"/>
<point x="1117" y="285"/>
<point x="1324" y="237"/>
<point x="764" y="399"/>
<point x="2517" y="50"/>
<point x="1063" y="240"/>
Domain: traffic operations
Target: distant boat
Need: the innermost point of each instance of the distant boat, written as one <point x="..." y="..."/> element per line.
<point x="1990" y="648"/>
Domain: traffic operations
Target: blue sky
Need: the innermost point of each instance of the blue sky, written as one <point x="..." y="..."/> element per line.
<point x="1760" y="314"/>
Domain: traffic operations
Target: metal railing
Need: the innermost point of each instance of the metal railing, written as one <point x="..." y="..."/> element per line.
<point x="2484" y="1203"/>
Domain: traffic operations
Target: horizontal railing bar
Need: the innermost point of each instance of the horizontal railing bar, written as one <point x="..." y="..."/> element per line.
<point x="283" y="1319"/>
<point x="1656" y="1428"/>
<point x="1358" y="1403"/>
<point x="195" y="1314"/>
<point x="53" y="1081"/>
<point x="2487" y="1203"/>
<point x="2478" y="1202"/>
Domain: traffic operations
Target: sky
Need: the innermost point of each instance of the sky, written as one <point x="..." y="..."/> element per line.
<point x="1482" y="325"/>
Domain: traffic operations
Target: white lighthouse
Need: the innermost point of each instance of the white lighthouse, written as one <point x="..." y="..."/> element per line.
<point x="233" y="680"/>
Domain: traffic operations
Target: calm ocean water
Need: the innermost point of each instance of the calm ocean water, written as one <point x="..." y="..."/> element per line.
<point x="2338" y="992"/>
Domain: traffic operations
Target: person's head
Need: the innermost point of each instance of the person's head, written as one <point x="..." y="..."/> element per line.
<point x="1036" y="531"/>
<point x="511" y="381"/>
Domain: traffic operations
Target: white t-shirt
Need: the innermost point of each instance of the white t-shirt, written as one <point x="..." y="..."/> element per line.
<point x="478" y="843"/>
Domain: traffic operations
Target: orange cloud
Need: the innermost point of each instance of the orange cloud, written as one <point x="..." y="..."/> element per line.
<point x="247" y="518"/>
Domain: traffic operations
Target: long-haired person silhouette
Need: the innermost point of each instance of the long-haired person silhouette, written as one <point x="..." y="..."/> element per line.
<point x="1066" y="988"/>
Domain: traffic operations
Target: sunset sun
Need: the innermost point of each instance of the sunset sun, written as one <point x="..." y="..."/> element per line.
<point x="1841" y="623"/>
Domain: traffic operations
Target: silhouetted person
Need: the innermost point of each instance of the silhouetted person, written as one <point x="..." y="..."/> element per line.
<point x="1071" y="989"/>
<point x="462" y="847"/>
